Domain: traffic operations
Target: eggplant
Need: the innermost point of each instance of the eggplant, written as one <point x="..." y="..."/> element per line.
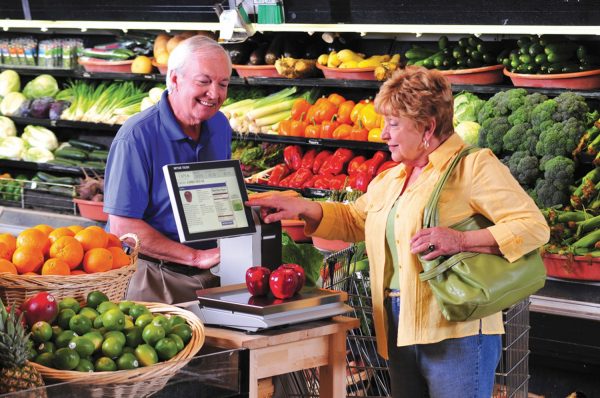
<point x="257" y="57"/>
<point x="275" y="49"/>
<point x="56" y="108"/>
<point x="239" y="52"/>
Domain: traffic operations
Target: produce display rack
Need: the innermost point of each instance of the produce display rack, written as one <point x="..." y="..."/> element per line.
<point x="39" y="195"/>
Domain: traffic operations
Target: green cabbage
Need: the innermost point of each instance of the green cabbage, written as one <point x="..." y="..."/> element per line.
<point x="7" y="127"/>
<point x="12" y="148"/>
<point x="41" y="86"/>
<point x="9" y="82"/>
<point x="39" y="137"/>
<point x="39" y="155"/>
<point x="11" y="104"/>
<point x="466" y="107"/>
<point x="468" y="131"/>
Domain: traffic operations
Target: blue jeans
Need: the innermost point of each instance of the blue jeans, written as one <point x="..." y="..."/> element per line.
<point x="462" y="368"/>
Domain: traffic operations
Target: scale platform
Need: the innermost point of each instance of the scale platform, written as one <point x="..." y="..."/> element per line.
<point x="233" y="306"/>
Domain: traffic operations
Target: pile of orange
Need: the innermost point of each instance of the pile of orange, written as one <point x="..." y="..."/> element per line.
<point x="73" y="250"/>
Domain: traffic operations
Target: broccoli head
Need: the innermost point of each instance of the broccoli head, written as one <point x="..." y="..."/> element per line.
<point x="523" y="113"/>
<point x="560" y="139"/>
<point x="543" y="112"/>
<point x="502" y="103"/>
<point x="492" y="132"/>
<point x="568" y="105"/>
<point x="524" y="167"/>
<point x="553" y="189"/>
<point x="521" y="137"/>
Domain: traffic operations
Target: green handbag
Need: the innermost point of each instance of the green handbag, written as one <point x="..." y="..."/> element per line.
<point x="469" y="285"/>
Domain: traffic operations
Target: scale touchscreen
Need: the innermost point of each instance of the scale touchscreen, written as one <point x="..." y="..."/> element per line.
<point x="211" y="199"/>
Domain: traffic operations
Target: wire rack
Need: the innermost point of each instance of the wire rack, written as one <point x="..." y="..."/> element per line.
<point x="367" y="373"/>
<point x="28" y="194"/>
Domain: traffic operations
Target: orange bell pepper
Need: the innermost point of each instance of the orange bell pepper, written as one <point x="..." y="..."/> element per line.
<point x="328" y="127"/>
<point x="336" y="99"/>
<point x="342" y="132"/>
<point x="325" y="111"/>
<point x="300" y="109"/>
<point x="313" y="131"/>
<point x="297" y="128"/>
<point x="285" y="127"/>
<point x="359" y="133"/>
<point x="344" y="111"/>
<point x="375" y="135"/>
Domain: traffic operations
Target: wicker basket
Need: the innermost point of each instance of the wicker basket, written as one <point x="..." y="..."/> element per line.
<point x="139" y="382"/>
<point x="18" y="288"/>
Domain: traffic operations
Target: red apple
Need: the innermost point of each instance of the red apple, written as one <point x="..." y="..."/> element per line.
<point x="283" y="282"/>
<point x="299" y="271"/>
<point x="41" y="307"/>
<point x="257" y="280"/>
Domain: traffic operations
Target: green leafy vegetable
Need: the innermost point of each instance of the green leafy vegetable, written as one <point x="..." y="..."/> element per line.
<point x="9" y="82"/>
<point x="41" y="86"/>
<point x="303" y="254"/>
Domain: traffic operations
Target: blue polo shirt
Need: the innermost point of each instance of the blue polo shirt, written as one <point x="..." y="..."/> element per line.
<point x="134" y="183"/>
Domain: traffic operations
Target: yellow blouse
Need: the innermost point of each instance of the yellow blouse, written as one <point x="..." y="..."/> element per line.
<point x="480" y="184"/>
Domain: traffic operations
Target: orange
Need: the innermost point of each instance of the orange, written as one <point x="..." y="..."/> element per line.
<point x="92" y="238"/>
<point x="33" y="238"/>
<point x="27" y="259"/>
<point x="97" y="260"/>
<point x="78" y="272"/>
<point x="113" y="241"/>
<point x="46" y="229"/>
<point x="68" y="249"/>
<point x="56" y="266"/>
<point x="31" y="273"/>
<point x="7" y="266"/>
<point x="75" y="228"/>
<point x="10" y="240"/>
<point x="60" y="232"/>
<point x="120" y="259"/>
<point x="5" y="251"/>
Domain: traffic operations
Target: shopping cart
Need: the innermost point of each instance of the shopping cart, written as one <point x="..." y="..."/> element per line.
<point x="367" y="373"/>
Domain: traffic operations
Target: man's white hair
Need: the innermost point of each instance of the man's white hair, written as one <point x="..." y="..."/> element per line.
<point x="195" y="45"/>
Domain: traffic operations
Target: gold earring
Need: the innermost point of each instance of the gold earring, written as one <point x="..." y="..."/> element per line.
<point x="426" y="144"/>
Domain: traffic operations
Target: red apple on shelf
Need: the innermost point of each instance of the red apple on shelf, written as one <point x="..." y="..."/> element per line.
<point x="299" y="271"/>
<point x="283" y="282"/>
<point x="257" y="280"/>
<point x="41" y="307"/>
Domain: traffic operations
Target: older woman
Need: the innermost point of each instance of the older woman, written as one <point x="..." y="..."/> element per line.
<point x="428" y="355"/>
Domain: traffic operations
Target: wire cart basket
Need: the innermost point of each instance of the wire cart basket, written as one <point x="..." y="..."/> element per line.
<point x="367" y="373"/>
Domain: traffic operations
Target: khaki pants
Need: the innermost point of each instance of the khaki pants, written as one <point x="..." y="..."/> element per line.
<point x="154" y="282"/>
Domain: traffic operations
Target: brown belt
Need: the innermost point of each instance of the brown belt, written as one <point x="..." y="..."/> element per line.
<point x="172" y="266"/>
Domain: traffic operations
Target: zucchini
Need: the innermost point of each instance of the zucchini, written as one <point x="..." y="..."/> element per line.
<point x="71" y="153"/>
<point x="87" y="145"/>
<point x="49" y="178"/>
<point x="95" y="165"/>
<point x="581" y="52"/>
<point x="98" y="155"/>
<point x="526" y="59"/>
<point x="109" y="55"/>
<point x="62" y="191"/>
<point x="523" y="41"/>
<point x="443" y="42"/>
<point x="65" y="162"/>
<point x="488" y="59"/>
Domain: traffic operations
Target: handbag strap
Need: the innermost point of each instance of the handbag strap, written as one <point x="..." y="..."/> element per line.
<point x="430" y="214"/>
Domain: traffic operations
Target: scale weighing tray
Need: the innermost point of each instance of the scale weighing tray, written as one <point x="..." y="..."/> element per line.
<point x="233" y="306"/>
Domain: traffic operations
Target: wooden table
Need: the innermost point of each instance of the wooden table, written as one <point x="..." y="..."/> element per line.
<point x="308" y="345"/>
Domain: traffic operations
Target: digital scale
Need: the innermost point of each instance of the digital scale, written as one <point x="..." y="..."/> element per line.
<point x="233" y="306"/>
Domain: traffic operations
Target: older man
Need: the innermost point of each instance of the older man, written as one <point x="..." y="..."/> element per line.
<point x="185" y="126"/>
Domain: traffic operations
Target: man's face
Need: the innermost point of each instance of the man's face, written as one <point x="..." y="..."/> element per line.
<point x="200" y="87"/>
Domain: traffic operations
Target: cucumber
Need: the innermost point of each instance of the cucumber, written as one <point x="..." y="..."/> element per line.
<point x="95" y="165"/>
<point x="458" y="52"/>
<point x="536" y="49"/>
<point x="463" y="42"/>
<point x="45" y="177"/>
<point x="525" y="59"/>
<point x="541" y="59"/>
<point x="87" y="145"/>
<point x="581" y="52"/>
<point x="488" y="59"/>
<point x="443" y="42"/>
<point x="418" y="53"/>
<point x="98" y="155"/>
<point x="65" y="162"/>
<point x="559" y="57"/>
<point x="564" y="47"/>
<point x="62" y="191"/>
<point x="109" y="55"/>
<point x="71" y="153"/>
<point x="523" y="41"/>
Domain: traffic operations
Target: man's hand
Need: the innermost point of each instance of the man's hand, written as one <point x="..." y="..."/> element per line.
<point x="205" y="259"/>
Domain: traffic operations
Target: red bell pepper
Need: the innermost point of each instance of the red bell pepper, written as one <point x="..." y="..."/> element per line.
<point x="362" y="181"/>
<point x="377" y="160"/>
<point x="277" y="174"/>
<point x="319" y="160"/>
<point x="344" y="154"/>
<point x="292" y="156"/>
<point x="322" y="182"/>
<point x="386" y="165"/>
<point x="310" y="182"/>
<point x="338" y="182"/>
<point x="308" y="159"/>
<point x="355" y="164"/>
<point x="286" y="181"/>
<point x="364" y="167"/>
<point x="300" y="177"/>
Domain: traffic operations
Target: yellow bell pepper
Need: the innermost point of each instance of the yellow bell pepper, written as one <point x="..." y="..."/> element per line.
<point x="375" y="135"/>
<point x="368" y="116"/>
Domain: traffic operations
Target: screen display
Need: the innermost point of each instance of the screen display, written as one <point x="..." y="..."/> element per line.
<point x="208" y="200"/>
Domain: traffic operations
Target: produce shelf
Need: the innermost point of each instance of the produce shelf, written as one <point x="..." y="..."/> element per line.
<point x="112" y="128"/>
<point x="317" y="142"/>
<point x="47" y="167"/>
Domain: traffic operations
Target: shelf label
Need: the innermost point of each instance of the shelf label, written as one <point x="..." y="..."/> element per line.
<point x="53" y="123"/>
<point x="315" y="142"/>
<point x="149" y="77"/>
<point x="86" y="75"/>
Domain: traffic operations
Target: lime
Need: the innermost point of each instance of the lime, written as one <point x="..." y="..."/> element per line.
<point x="46" y="346"/>
<point x="138" y="309"/>
<point x="64" y="316"/>
<point x="56" y="330"/>
<point x="112" y="347"/>
<point x="96" y="338"/>
<point x="84" y="346"/>
<point x="80" y="324"/>
<point x="104" y="364"/>
<point x="88" y="312"/>
<point x="45" y="359"/>
<point x="143" y="320"/>
<point x="177" y="341"/>
<point x="41" y="331"/>
<point x="176" y="320"/>
<point x="125" y="306"/>
<point x="118" y="335"/>
<point x="95" y="298"/>
<point x="66" y="359"/>
<point x="128" y="322"/>
<point x="127" y="361"/>
<point x="128" y="349"/>
<point x="97" y="323"/>
<point x="64" y="338"/>
<point x="146" y="355"/>
<point x="105" y="306"/>
<point x="152" y="333"/>
<point x="184" y="331"/>
<point x="162" y="321"/>
<point x="85" y="365"/>
<point x="133" y="337"/>
<point x="113" y="319"/>
<point x="69" y="302"/>
<point x="166" y="348"/>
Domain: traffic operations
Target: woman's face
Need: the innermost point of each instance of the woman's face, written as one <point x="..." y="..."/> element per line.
<point x="404" y="140"/>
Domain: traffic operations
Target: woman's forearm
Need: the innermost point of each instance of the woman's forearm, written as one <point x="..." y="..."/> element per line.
<point x="479" y="241"/>
<point x="312" y="214"/>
